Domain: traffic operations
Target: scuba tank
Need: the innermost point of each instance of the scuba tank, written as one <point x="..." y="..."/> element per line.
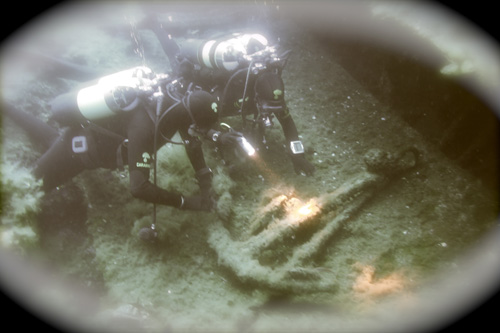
<point x="242" y="58"/>
<point x="108" y="96"/>
<point x="226" y="54"/>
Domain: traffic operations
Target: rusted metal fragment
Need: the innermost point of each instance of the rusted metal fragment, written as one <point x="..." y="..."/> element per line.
<point x="269" y="257"/>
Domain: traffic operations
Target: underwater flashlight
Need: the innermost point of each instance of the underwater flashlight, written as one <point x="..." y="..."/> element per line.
<point x="243" y="143"/>
<point x="246" y="146"/>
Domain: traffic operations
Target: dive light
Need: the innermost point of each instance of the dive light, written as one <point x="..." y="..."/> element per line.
<point x="245" y="146"/>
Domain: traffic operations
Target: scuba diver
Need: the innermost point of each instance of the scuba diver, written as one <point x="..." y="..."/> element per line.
<point x="123" y="119"/>
<point x="244" y="73"/>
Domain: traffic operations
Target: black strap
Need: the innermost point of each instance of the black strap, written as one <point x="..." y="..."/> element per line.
<point x="92" y="126"/>
<point x="186" y="102"/>
<point x="119" y="152"/>
<point x="119" y="155"/>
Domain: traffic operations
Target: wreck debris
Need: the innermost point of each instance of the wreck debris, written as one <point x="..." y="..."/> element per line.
<point x="287" y="234"/>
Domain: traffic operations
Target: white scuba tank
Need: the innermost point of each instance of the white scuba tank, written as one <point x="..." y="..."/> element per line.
<point x="106" y="97"/>
<point x="113" y="93"/>
<point x="224" y="54"/>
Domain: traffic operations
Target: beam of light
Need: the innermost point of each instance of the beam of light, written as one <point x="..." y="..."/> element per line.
<point x="305" y="210"/>
<point x="299" y="212"/>
<point x="247" y="147"/>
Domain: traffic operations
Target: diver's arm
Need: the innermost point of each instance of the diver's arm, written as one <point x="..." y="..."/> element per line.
<point x="288" y="125"/>
<point x="140" y="161"/>
<point x="193" y="151"/>
<point x="38" y="131"/>
<point x="300" y="164"/>
<point x="168" y="44"/>
<point x="142" y="188"/>
<point x="197" y="159"/>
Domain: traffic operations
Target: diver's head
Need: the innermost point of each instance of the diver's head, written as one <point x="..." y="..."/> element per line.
<point x="202" y="108"/>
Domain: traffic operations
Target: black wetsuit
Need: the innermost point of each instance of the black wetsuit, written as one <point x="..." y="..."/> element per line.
<point x="216" y="81"/>
<point x="107" y="149"/>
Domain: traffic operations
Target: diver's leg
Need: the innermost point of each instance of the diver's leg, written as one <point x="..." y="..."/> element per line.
<point x="59" y="164"/>
<point x="37" y="130"/>
<point x="168" y="44"/>
<point x="58" y="67"/>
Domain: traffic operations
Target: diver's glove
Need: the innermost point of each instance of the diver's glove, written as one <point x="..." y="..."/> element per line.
<point x="198" y="203"/>
<point x="301" y="165"/>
